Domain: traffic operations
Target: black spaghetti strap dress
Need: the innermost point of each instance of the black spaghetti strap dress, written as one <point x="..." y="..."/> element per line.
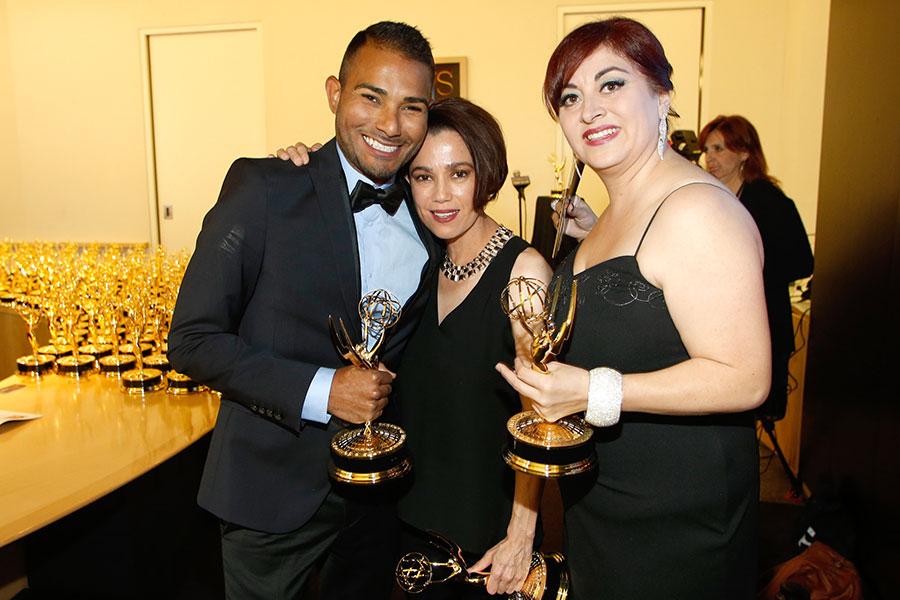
<point x="671" y="510"/>
<point x="454" y="407"/>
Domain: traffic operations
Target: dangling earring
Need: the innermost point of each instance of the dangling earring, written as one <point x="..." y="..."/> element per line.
<point x="661" y="145"/>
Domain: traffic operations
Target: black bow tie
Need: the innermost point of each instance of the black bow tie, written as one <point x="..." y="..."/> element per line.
<point x="364" y="195"/>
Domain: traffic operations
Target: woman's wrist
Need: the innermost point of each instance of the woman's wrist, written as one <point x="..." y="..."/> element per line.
<point x="522" y="526"/>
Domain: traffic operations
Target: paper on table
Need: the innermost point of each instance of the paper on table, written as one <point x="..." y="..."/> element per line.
<point x="8" y="415"/>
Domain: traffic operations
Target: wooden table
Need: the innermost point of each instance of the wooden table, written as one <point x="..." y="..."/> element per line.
<point x="92" y="439"/>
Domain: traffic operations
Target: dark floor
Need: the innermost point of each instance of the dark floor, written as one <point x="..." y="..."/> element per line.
<point x="781" y="523"/>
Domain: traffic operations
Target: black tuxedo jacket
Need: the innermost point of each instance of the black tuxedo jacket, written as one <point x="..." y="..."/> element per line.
<point x="276" y="256"/>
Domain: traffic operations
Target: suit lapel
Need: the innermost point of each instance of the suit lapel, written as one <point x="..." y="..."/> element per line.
<point x="435" y="253"/>
<point x="334" y="203"/>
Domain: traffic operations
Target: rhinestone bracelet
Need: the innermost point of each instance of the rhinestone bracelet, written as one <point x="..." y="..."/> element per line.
<point x="604" y="404"/>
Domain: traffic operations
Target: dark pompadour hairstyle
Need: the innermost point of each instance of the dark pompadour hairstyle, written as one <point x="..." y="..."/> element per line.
<point x="482" y="136"/>
<point x="400" y="37"/>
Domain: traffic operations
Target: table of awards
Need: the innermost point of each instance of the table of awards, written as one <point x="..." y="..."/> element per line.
<point x="90" y="438"/>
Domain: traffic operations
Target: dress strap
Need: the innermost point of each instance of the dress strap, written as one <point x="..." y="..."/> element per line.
<point x="659" y="206"/>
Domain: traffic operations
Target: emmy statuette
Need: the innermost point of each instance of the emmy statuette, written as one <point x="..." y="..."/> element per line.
<point x="375" y="452"/>
<point x="141" y="379"/>
<point x="547" y="579"/>
<point x="564" y="199"/>
<point x="535" y="446"/>
<point x="75" y="365"/>
<point x="35" y="364"/>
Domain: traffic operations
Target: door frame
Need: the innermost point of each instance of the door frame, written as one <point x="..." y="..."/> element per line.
<point x="149" y="134"/>
<point x="706" y="8"/>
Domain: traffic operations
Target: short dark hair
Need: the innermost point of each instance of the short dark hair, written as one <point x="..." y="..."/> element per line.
<point x="399" y="37"/>
<point x="621" y="35"/>
<point x="740" y="135"/>
<point x="482" y="136"/>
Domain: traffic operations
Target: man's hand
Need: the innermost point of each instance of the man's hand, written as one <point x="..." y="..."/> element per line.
<point x="298" y="153"/>
<point x="359" y="395"/>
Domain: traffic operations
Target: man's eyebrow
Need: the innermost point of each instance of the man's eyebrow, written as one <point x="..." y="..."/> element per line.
<point x="373" y="88"/>
<point x="383" y="92"/>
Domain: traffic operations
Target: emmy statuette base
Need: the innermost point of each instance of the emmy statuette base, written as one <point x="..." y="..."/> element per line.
<point x="98" y="351"/>
<point x="548" y="579"/>
<point x="369" y="455"/>
<point x="35" y="366"/>
<point x="141" y="381"/>
<point x="55" y="350"/>
<point x="181" y="384"/>
<point x="76" y="367"/>
<point x="114" y="366"/>
<point x="159" y="362"/>
<point x="549" y="450"/>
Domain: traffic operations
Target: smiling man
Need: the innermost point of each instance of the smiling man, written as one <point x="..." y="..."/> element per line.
<point x="282" y="249"/>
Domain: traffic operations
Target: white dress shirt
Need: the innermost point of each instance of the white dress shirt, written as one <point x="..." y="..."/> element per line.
<point x="391" y="257"/>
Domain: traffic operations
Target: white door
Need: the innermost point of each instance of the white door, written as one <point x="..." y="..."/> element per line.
<point x="208" y="108"/>
<point x="681" y="33"/>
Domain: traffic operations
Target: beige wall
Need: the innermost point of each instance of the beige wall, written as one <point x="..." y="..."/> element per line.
<point x="9" y="170"/>
<point x="75" y="79"/>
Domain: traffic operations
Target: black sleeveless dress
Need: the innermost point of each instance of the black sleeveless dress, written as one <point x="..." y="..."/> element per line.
<point x="454" y="407"/>
<point x="670" y="512"/>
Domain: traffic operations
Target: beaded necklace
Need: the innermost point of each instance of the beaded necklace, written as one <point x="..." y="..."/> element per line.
<point x="455" y="272"/>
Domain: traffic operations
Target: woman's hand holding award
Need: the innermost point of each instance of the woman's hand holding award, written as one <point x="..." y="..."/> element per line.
<point x="548" y="577"/>
<point x="536" y="446"/>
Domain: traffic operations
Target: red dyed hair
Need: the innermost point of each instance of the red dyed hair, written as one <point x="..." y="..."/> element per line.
<point x="740" y="136"/>
<point x="623" y="36"/>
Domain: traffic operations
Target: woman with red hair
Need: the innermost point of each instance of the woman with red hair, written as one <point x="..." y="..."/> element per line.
<point x="669" y="353"/>
<point x="735" y="156"/>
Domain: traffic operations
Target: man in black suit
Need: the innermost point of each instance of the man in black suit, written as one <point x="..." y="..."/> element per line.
<point x="280" y="251"/>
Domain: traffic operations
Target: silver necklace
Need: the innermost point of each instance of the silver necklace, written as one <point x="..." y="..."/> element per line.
<point x="455" y="272"/>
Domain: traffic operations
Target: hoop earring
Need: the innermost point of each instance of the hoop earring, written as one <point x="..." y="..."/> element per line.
<point x="661" y="145"/>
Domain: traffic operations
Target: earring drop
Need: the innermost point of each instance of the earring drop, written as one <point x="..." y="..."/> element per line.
<point x="661" y="145"/>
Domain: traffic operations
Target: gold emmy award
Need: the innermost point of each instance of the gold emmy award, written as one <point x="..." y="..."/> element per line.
<point x="118" y="362"/>
<point x="548" y="578"/>
<point x="51" y="308"/>
<point x="375" y="452"/>
<point x="563" y="199"/>
<point x="91" y="303"/>
<point x="158" y="359"/>
<point x="535" y="446"/>
<point x="141" y="379"/>
<point x="179" y="383"/>
<point x="82" y="290"/>
<point x="35" y="364"/>
<point x="558" y="166"/>
<point x="75" y="365"/>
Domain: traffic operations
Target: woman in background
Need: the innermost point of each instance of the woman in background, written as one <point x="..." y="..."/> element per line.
<point x="669" y="350"/>
<point x="734" y="155"/>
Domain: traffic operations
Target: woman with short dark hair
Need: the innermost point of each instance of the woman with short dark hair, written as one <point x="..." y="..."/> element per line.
<point x="451" y="402"/>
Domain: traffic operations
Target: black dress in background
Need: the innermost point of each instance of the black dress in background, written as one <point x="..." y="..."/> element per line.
<point x="788" y="258"/>
<point x="454" y="406"/>
<point x="670" y="512"/>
